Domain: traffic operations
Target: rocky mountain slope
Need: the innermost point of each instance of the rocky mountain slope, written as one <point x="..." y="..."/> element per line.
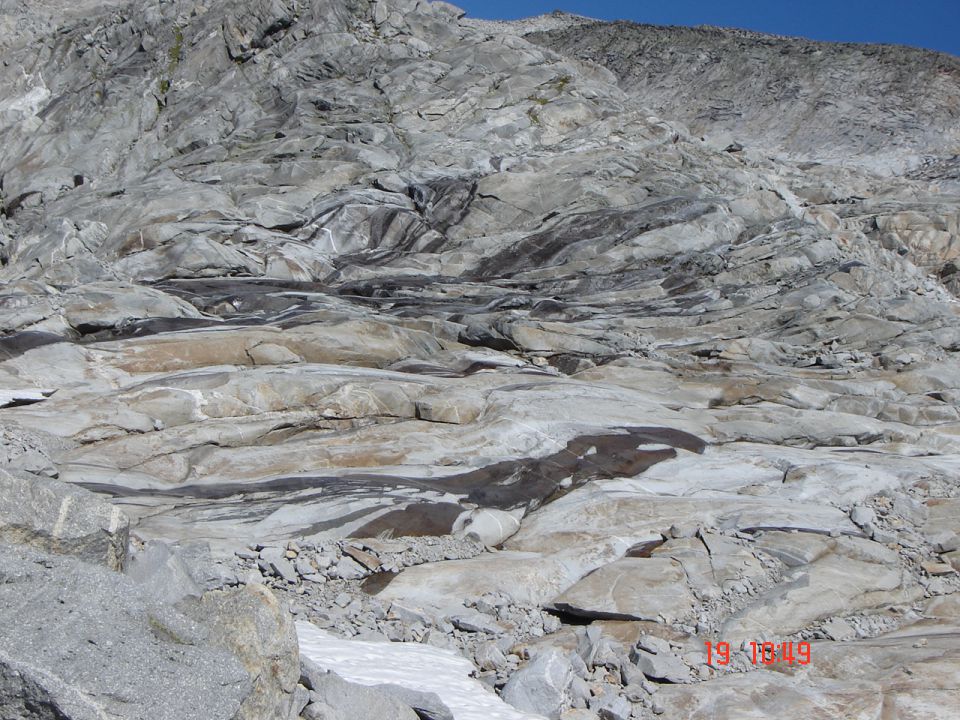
<point x="884" y="107"/>
<point x="461" y="333"/>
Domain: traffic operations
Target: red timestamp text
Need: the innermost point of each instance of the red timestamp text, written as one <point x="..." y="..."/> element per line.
<point x="762" y="653"/>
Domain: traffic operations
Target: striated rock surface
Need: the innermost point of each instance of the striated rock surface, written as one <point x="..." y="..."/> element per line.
<point x="466" y="334"/>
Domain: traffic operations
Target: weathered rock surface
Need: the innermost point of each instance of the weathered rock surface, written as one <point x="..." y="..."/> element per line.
<point x="162" y="573"/>
<point x="80" y="641"/>
<point x="259" y="631"/>
<point x="779" y="92"/>
<point x="487" y="318"/>
<point x="631" y="589"/>
<point x="56" y="517"/>
<point x="540" y="686"/>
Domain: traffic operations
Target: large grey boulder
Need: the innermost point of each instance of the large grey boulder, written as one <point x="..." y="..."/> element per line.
<point x="80" y="642"/>
<point x="427" y="705"/>
<point x="257" y="628"/>
<point x="56" y="517"/>
<point x="540" y="686"/>
<point x="346" y="700"/>
<point x="630" y="589"/>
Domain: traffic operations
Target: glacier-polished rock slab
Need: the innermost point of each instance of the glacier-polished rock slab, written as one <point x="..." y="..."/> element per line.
<point x="631" y="589"/>
<point x="276" y="271"/>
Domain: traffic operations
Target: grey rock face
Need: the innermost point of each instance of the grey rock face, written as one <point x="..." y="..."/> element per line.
<point x="541" y="684"/>
<point x="350" y="700"/>
<point x="276" y="271"/>
<point x="53" y="516"/>
<point x="736" y="85"/>
<point x="163" y="573"/>
<point x="251" y="623"/>
<point x="80" y="641"/>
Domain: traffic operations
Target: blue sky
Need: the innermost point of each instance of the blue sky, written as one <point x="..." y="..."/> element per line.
<point x="922" y="23"/>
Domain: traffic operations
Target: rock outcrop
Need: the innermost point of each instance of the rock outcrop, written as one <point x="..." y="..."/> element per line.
<point x="64" y="519"/>
<point x="258" y="629"/>
<point x="456" y="336"/>
<point x="82" y="642"/>
<point x="885" y="107"/>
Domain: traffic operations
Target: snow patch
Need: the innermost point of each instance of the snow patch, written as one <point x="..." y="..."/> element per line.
<point x="411" y="665"/>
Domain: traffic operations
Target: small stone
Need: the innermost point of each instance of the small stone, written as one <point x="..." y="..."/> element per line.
<point x="937" y="568"/>
<point x="662" y="667"/>
<point x="489" y="657"/>
<point x="861" y="516"/>
<point x="839" y="630"/>
<point x="408" y="615"/>
<point x="617" y="708"/>
<point x="653" y="644"/>
<point x="303" y="567"/>
<point x="273" y="562"/>
<point x="541" y="685"/>
<point x="476" y="622"/>
<point x="349" y="569"/>
<point x="579" y="690"/>
<point x="588" y="642"/>
<point x="318" y="711"/>
<point x="945" y="541"/>
<point x="367" y="560"/>
<point x="884" y="537"/>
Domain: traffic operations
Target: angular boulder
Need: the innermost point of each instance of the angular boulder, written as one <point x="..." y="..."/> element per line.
<point x="350" y="700"/>
<point x="541" y="685"/>
<point x="63" y="519"/>
<point x="257" y="628"/>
